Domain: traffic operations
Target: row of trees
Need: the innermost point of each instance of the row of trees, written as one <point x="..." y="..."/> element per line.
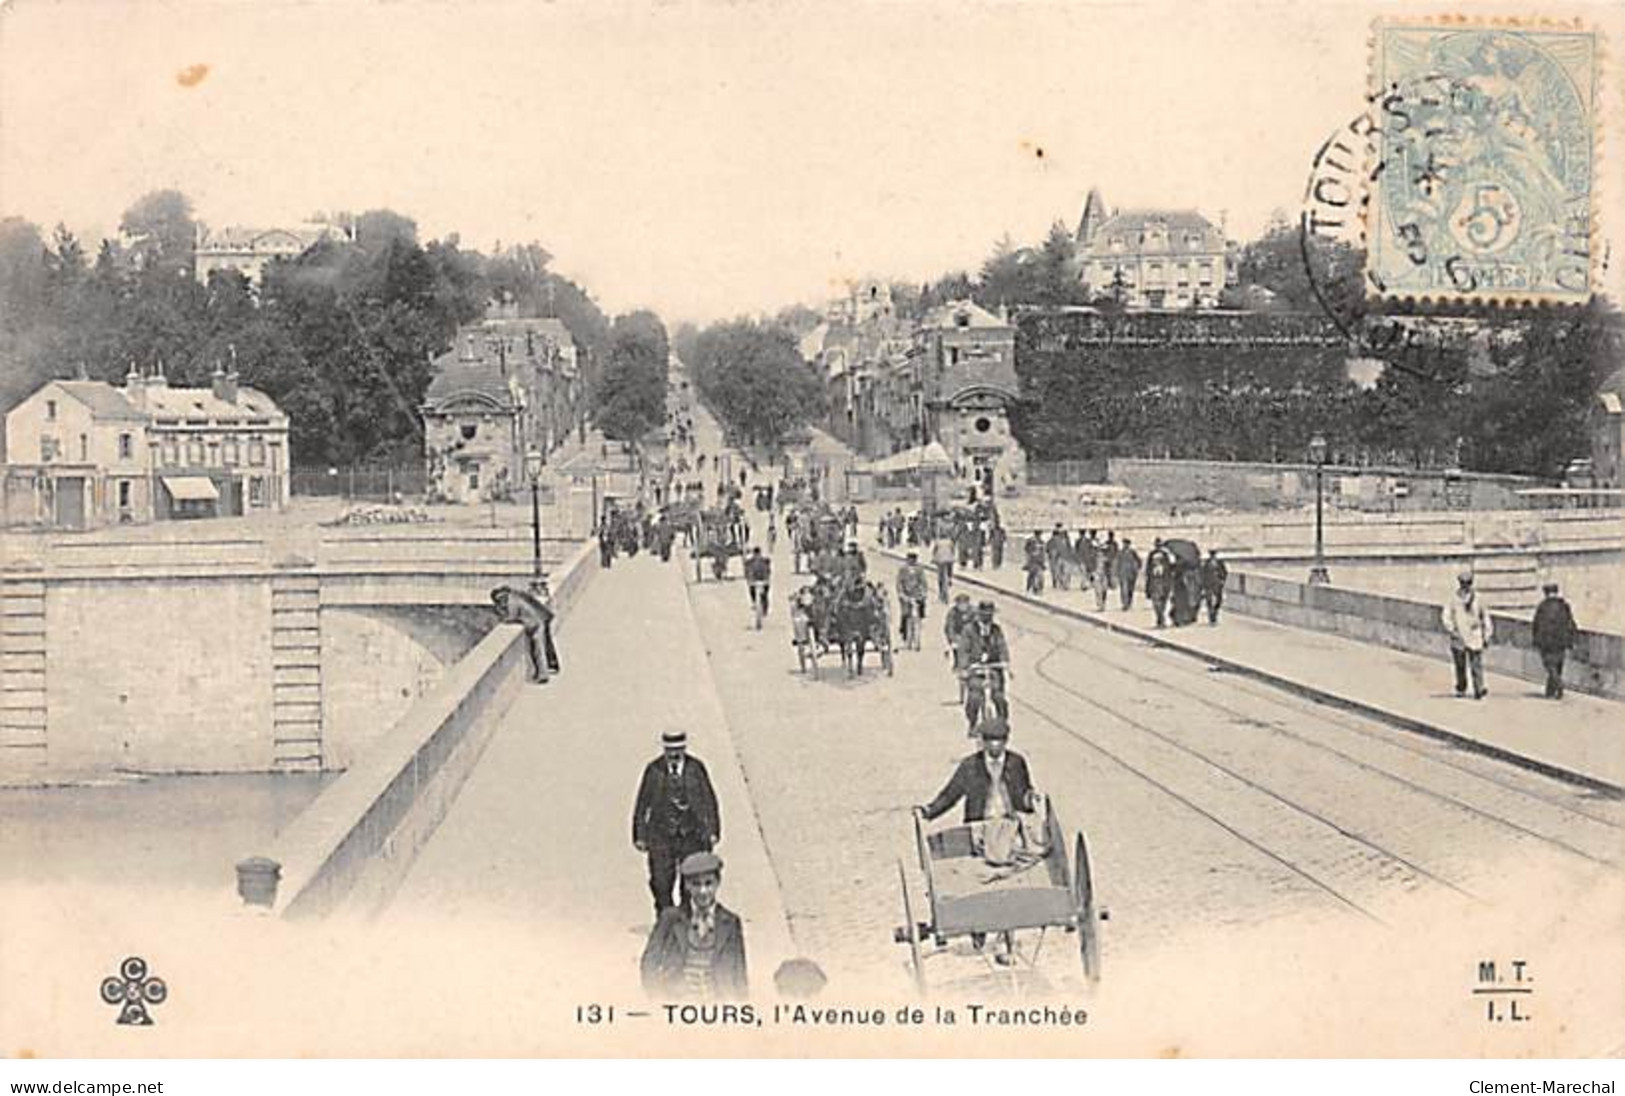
<point x="753" y="377"/>
<point x="342" y="337"/>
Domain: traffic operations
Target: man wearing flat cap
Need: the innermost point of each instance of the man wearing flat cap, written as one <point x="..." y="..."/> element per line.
<point x="697" y="949"/>
<point x="675" y="815"/>
<point x="1555" y="632"/>
<point x="993" y="782"/>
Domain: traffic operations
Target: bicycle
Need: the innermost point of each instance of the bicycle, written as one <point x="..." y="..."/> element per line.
<point x="912" y="616"/>
<point x="981" y="700"/>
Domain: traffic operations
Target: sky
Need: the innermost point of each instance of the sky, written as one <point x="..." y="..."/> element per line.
<point x="705" y="160"/>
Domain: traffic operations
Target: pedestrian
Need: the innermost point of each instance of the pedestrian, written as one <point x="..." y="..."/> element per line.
<point x="995" y="540"/>
<point x="516" y="607"/>
<point x="1035" y="563"/>
<point x="1087" y="553"/>
<point x="1555" y="632"/>
<point x="1100" y="578"/>
<point x="1127" y="573"/>
<point x="697" y="949"/>
<point x="995" y="784"/>
<point x="606" y="541"/>
<point x="1467" y="622"/>
<point x="1108" y="556"/>
<point x="1159" y="581"/>
<point x="675" y="814"/>
<point x="1214" y="576"/>
<point x="942" y="556"/>
<point x="978" y="545"/>
<point x="1059" y="551"/>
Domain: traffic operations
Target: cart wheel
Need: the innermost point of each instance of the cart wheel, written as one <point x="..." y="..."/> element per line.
<point x="1083" y="888"/>
<point x="912" y="929"/>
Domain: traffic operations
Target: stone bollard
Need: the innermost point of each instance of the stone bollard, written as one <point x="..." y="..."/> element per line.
<point x="257" y="879"/>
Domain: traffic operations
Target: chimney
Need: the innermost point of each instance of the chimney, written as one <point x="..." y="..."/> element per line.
<point x="135" y="387"/>
<point x="158" y="380"/>
<point x="224" y="384"/>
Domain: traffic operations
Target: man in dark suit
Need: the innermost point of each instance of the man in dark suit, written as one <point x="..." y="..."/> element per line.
<point x="675" y="815"/>
<point x="697" y="950"/>
<point x="993" y="782"/>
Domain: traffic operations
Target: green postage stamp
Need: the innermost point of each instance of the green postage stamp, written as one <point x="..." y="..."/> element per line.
<point x="1485" y="140"/>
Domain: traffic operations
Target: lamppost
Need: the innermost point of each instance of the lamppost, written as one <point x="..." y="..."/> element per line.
<point x="534" y="462"/>
<point x="1318" y="575"/>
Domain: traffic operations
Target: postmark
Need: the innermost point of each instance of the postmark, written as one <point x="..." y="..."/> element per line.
<point x="1485" y="142"/>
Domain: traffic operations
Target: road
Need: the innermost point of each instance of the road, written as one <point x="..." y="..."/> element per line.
<point x="1236" y="830"/>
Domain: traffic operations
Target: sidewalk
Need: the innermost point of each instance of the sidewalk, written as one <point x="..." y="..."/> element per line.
<point x="1580" y="739"/>
<point x="541" y="834"/>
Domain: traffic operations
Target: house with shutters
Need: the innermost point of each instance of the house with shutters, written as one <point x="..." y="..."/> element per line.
<point x="83" y="453"/>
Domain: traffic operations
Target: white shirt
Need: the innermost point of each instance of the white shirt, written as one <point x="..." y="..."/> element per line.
<point x="998" y="798"/>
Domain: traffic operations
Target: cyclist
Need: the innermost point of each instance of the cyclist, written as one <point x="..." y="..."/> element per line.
<point x="758" y="574"/>
<point x="911" y="595"/>
<point x="987" y="657"/>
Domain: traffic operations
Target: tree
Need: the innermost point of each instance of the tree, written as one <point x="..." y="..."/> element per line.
<point x="162" y="233"/>
<point x="754" y="378"/>
<point x="629" y="399"/>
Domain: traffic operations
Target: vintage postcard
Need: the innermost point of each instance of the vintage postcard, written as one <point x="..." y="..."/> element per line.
<point x="819" y="529"/>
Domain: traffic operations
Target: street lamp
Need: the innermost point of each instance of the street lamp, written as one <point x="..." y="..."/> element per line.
<point x="1318" y="575"/>
<point x="534" y="462"/>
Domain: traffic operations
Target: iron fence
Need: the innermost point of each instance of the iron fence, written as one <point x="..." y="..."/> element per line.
<point x="382" y="482"/>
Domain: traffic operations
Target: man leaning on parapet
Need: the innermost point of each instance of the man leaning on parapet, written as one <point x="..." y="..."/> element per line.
<point x="1467" y="622"/>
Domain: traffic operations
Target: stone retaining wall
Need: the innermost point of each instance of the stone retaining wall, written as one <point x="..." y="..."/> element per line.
<point x="1594" y="665"/>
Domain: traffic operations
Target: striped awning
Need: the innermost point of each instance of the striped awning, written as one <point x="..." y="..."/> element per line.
<point x="191" y="489"/>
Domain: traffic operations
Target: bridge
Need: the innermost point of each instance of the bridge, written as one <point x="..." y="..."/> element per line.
<point x="264" y="641"/>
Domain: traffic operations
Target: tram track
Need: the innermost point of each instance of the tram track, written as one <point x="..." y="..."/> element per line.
<point x="1611" y="839"/>
<point x="1362" y="864"/>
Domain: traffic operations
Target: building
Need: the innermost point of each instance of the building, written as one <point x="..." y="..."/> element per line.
<point x="510" y="385"/>
<point x="83" y="453"/>
<point x="249" y="250"/>
<point x="1151" y="258"/>
<point x="949" y="379"/>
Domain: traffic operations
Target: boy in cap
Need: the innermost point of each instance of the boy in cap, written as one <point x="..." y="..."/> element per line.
<point x="697" y="950"/>
<point x="1467" y="622"/>
<point x="1555" y="632"/>
<point x="675" y="814"/>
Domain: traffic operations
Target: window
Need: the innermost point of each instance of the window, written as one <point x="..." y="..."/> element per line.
<point x="47" y="449"/>
<point x="256" y="491"/>
<point x="469" y="430"/>
<point x="124" y="493"/>
<point x="231" y="452"/>
<point x="194" y="452"/>
<point x="84" y="448"/>
<point x="214" y="454"/>
<point x="126" y="447"/>
<point x="1207" y="273"/>
<point x="474" y="480"/>
<point x="984" y="424"/>
<point x="50" y="410"/>
<point x="256" y="451"/>
<point x="171" y="452"/>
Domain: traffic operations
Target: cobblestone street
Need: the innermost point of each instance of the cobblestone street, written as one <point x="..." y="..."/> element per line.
<point x="1213" y="805"/>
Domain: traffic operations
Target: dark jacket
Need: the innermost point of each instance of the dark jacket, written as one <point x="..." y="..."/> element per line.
<point x="700" y="821"/>
<point x="664" y="955"/>
<point x="1214" y="575"/>
<point x="989" y="647"/>
<point x="1554" y="627"/>
<point x="1128" y="566"/>
<point x="971" y="783"/>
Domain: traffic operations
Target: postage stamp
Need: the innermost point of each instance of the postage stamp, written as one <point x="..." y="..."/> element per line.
<point x="1483" y="183"/>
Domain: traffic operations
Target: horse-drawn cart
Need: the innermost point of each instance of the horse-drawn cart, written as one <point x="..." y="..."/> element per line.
<point x="717" y="538"/>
